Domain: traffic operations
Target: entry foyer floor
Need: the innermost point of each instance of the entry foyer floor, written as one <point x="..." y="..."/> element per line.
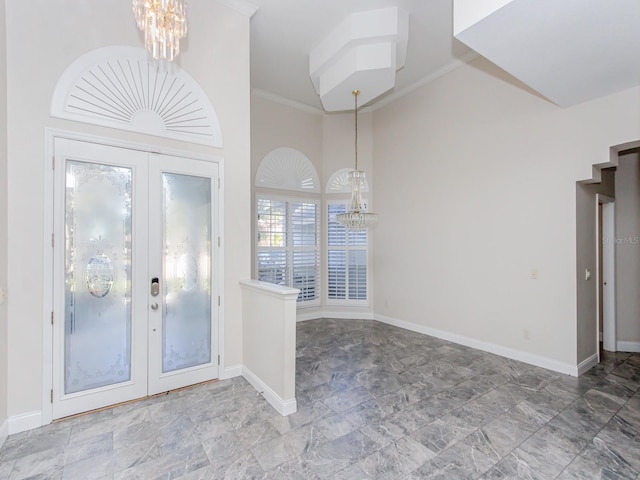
<point x="374" y="401"/>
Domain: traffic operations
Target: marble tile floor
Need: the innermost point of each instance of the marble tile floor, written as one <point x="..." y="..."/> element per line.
<point x="374" y="402"/>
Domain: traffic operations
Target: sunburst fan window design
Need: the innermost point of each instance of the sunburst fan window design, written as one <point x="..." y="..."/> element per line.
<point x="287" y="169"/>
<point x="340" y="182"/>
<point x="120" y="87"/>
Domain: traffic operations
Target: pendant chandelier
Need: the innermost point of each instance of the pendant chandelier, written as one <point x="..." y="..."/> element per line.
<point x="355" y="218"/>
<point x="164" y="23"/>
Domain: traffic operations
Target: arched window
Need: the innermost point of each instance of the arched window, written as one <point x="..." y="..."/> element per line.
<point x="120" y="87"/>
<point x="347" y="258"/>
<point x="288" y="223"/>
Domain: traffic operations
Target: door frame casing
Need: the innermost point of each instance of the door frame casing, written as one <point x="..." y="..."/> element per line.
<point x="608" y="230"/>
<point x="48" y="252"/>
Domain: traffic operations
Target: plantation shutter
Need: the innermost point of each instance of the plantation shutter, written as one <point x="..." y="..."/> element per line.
<point x="347" y="259"/>
<point x="288" y="248"/>
<point x="306" y="255"/>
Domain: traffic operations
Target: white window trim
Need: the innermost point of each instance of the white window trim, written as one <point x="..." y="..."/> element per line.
<point x="259" y="195"/>
<point x="332" y="302"/>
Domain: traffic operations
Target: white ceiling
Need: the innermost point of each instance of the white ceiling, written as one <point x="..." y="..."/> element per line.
<point x="283" y="33"/>
<point x="570" y="51"/>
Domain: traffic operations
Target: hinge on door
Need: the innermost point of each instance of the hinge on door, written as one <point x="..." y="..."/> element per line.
<point x="218" y="242"/>
<point x="219" y="183"/>
<point x="52" y="395"/>
<point x="51" y="318"/>
<point x="52" y="240"/>
<point x="53" y="163"/>
<point x="218" y="300"/>
<point x="218" y="359"/>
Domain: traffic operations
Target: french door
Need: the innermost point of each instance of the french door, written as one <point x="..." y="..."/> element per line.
<point x="135" y="269"/>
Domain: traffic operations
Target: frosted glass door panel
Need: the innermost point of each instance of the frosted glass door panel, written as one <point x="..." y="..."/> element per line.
<point x="186" y="312"/>
<point x="97" y="343"/>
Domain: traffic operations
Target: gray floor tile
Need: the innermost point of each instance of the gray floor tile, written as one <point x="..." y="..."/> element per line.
<point x="374" y="402"/>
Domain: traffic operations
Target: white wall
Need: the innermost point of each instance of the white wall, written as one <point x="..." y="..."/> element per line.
<point x="586" y="258"/>
<point x="628" y="251"/>
<point x="3" y="220"/>
<point x="270" y="342"/>
<point x="475" y="187"/>
<point x="216" y="55"/>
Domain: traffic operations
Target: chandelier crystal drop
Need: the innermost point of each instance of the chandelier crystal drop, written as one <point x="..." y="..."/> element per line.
<point x="164" y="23"/>
<point x="356" y="218"/>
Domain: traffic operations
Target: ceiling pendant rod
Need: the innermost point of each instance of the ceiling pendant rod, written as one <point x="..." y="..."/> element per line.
<point x="355" y="95"/>
<point x="356" y="218"/>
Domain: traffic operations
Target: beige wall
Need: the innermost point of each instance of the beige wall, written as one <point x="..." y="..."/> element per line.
<point x="475" y="187"/>
<point x="586" y="255"/>
<point x="3" y="216"/>
<point x="338" y="148"/>
<point x="628" y="250"/>
<point x="274" y="125"/>
<point x="216" y="55"/>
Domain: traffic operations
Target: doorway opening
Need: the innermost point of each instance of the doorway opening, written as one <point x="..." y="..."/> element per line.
<point x="606" y="274"/>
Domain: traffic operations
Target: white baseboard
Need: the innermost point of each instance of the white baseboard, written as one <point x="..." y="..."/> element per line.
<point x="633" y="347"/>
<point x="230" y="372"/>
<point x="4" y="432"/>
<point x="587" y="364"/>
<point x="24" y="422"/>
<point x="339" y="314"/>
<point x="283" y="407"/>
<point x="521" y="356"/>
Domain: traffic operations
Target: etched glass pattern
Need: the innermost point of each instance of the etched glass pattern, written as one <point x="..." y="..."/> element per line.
<point x="186" y="314"/>
<point x="97" y="350"/>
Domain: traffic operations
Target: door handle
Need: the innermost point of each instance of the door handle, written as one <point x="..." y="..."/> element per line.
<point x="154" y="306"/>
<point x="155" y="286"/>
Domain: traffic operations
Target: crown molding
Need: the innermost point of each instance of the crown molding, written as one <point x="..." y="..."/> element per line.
<point x="242" y="6"/>
<point x="272" y="97"/>
<point x="376" y="105"/>
<point x="424" y="81"/>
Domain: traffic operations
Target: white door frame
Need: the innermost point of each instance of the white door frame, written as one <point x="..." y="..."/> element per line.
<point x="608" y="274"/>
<point x="51" y="134"/>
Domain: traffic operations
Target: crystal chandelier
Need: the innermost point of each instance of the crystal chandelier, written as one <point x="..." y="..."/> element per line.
<point x="164" y="23"/>
<point x="356" y="219"/>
